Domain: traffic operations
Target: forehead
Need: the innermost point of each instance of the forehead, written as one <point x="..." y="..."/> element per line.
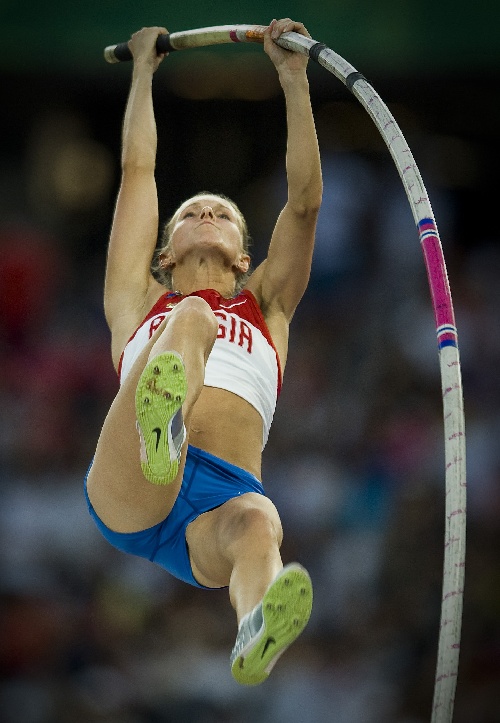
<point x="207" y="200"/>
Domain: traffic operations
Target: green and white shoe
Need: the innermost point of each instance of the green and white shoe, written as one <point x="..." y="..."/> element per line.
<point x="272" y="626"/>
<point x="161" y="391"/>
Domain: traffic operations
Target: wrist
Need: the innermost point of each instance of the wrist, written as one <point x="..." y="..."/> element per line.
<point x="293" y="79"/>
<point x="143" y="66"/>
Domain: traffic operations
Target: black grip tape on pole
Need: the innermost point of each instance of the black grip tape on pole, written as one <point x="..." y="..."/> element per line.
<point x="315" y="50"/>
<point x="353" y="78"/>
<point x="121" y="52"/>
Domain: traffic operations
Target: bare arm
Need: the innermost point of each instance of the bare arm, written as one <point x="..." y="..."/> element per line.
<point x="281" y="280"/>
<point x="135" y="223"/>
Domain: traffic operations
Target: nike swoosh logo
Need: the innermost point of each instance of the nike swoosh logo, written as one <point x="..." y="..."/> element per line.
<point x="269" y="641"/>
<point x="157" y="431"/>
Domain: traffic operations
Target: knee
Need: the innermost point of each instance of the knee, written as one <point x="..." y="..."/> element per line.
<point x="254" y="523"/>
<point x="197" y="315"/>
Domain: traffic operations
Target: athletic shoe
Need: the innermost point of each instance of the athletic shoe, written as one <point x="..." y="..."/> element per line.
<point x="161" y="391"/>
<point x="271" y="627"/>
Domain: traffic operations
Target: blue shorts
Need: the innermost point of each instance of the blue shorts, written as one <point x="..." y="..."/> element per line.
<point x="208" y="482"/>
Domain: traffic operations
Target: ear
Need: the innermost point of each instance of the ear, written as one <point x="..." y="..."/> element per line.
<point x="166" y="260"/>
<point x="243" y="264"/>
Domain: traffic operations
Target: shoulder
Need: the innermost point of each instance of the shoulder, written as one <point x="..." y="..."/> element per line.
<point x="274" y="316"/>
<point x="133" y="312"/>
<point x="254" y="285"/>
<point x="269" y="304"/>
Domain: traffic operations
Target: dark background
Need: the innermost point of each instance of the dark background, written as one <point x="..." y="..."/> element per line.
<point x="355" y="458"/>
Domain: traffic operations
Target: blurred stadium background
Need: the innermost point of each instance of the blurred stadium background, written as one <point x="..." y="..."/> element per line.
<point x="355" y="458"/>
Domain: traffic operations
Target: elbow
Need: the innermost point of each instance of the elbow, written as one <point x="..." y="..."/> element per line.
<point x="137" y="166"/>
<point x="307" y="204"/>
<point x="308" y="208"/>
<point x="138" y="158"/>
<point x="314" y="206"/>
<point x="316" y="198"/>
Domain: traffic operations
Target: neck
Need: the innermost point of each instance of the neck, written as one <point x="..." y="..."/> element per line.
<point x="189" y="277"/>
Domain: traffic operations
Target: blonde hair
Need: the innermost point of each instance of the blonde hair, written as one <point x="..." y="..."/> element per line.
<point x="164" y="275"/>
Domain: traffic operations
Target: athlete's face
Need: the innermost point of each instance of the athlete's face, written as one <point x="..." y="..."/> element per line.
<point x="208" y="223"/>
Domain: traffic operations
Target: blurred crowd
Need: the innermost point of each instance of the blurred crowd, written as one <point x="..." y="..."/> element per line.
<point x="355" y="459"/>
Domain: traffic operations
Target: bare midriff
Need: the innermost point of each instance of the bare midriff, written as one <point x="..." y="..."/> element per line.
<point x="228" y="427"/>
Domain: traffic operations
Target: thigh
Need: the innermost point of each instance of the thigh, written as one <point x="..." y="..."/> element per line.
<point x="211" y="535"/>
<point x="118" y="491"/>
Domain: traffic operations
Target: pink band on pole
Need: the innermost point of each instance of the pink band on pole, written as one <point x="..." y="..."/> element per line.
<point x="436" y="272"/>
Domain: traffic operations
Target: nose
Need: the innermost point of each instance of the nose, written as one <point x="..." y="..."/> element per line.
<point x="207" y="212"/>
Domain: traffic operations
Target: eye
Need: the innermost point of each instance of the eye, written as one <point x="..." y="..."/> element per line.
<point x="224" y="215"/>
<point x="188" y="214"/>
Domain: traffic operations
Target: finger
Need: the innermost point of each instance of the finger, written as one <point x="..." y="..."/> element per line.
<point x="268" y="42"/>
<point x="268" y="31"/>
<point x="162" y="31"/>
<point x="286" y="25"/>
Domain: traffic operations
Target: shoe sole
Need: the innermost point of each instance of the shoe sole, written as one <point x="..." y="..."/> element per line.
<point x="286" y="609"/>
<point x="161" y="391"/>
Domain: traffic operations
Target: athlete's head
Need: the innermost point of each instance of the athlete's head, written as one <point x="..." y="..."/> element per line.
<point x="203" y="205"/>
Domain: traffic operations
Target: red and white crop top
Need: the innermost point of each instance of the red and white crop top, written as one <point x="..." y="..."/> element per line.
<point x="243" y="360"/>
